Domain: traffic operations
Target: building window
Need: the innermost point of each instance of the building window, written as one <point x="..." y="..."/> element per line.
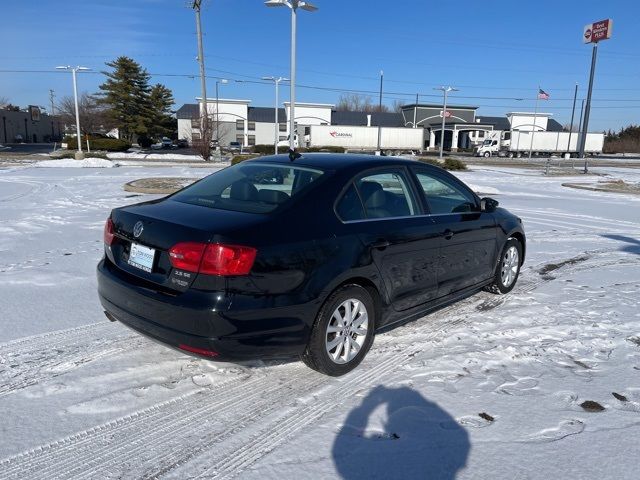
<point x="251" y="125"/>
<point x="481" y="134"/>
<point x="282" y="127"/>
<point x="282" y="138"/>
<point x="195" y="123"/>
<point x="251" y="139"/>
<point x="240" y="125"/>
<point x="240" y="139"/>
<point x="307" y="130"/>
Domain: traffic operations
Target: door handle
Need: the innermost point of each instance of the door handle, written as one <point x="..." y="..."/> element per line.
<point x="381" y="244"/>
<point x="448" y="234"/>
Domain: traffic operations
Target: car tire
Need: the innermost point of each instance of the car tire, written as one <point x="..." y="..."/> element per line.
<point x="508" y="268"/>
<point x="335" y="331"/>
<point x="486" y="154"/>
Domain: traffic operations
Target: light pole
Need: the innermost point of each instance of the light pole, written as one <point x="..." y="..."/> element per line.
<point x="293" y="5"/>
<point x="445" y="90"/>
<point x="379" y="152"/>
<point x="276" y="82"/>
<point x="221" y="80"/>
<point x="79" y="154"/>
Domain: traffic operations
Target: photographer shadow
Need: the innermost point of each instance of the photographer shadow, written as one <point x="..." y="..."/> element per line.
<point x="396" y="433"/>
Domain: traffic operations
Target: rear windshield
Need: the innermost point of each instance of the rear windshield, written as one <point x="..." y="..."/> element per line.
<point x="249" y="187"/>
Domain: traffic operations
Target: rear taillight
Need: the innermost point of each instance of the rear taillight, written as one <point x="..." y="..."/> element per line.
<point x="200" y="351"/>
<point x="109" y="233"/>
<point x="187" y="256"/>
<point x="221" y="259"/>
<point x="212" y="259"/>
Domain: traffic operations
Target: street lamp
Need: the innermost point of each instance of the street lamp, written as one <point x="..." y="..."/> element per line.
<point x="276" y="82"/>
<point x="445" y="90"/>
<point x="293" y="5"/>
<point x="79" y="154"/>
<point x="221" y="80"/>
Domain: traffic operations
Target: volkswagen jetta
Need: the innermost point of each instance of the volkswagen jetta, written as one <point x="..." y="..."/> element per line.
<point x="276" y="258"/>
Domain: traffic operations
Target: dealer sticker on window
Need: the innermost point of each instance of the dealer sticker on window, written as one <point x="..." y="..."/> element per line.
<point x="141" y="257"/>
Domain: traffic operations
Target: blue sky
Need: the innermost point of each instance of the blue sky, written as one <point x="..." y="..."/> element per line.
<point x="494" y="51"/>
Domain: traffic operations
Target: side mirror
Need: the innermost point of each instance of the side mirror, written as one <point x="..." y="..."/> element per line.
<point x="488" y="204"/>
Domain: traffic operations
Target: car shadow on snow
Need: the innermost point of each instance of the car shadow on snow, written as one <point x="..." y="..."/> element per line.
<point x="397" y="433"/>
<point x="633" y="243"/>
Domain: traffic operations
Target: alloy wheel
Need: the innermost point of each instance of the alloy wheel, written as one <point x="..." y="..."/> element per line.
<point x="510" y="266"/>
<point x="347" y="331"/>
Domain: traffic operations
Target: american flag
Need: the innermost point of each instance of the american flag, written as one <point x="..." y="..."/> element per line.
<point x="542" y="95"/>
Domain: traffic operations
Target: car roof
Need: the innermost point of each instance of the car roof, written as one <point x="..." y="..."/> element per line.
<point x="339" y="161"/>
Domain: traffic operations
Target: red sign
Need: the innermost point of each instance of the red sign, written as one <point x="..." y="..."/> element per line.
<point x="597" y="31"/>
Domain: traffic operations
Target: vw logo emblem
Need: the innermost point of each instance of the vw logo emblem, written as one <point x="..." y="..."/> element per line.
<point x="137" y="229"/>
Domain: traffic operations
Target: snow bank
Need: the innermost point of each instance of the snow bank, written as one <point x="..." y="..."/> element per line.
<point x="153" y="156"/>
<point x="71" y="163"/>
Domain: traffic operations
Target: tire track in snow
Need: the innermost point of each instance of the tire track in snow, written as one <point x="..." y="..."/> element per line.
<point x="51" y="339"/>
<point x="172" y="426"/>
<point x="29" y="361"/>
<point x="235" y="457"/>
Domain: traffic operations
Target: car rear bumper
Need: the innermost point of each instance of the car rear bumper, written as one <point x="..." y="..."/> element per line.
<point x="205" y="320"/>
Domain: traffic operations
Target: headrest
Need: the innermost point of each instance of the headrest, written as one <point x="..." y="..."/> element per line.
<point x="369" y="188"/>
<point x="243" y="190"/>
<point x="377" y="200"/>
<point x="272" y="196"/>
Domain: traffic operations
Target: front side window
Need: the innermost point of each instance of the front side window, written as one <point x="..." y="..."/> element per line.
<point x="445" y="197"/>
<point x="386" y="195"/>
<point x="249" y="187"/>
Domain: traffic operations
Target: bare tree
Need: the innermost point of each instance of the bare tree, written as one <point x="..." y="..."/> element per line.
<point x="566" y="128"/>
<point x="397" y="106"/>
<point x="93" y="115"/>
<point x="4" y="101"/>
<point x="359" y="103"/>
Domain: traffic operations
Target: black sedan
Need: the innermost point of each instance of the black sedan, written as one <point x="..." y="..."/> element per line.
<point x="310" y="257"/>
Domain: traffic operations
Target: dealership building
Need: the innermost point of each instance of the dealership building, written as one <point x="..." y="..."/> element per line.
<point x="237" y="121"/>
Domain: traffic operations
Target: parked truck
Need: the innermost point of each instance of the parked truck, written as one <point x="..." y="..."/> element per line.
<point x="362" y="138"/>
<point x="515" y="143"/>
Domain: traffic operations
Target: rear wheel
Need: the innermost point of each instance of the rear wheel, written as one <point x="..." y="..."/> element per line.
<point x="508" y="267"/>
<point x="343" y="331"/>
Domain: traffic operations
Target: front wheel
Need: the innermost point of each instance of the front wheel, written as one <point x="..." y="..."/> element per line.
<point x="486" y="154"/>
<point x="508" y="267"/>
<point x="343" y="331"/>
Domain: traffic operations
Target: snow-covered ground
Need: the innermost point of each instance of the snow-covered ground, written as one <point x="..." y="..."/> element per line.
<point x="488" y="388"/>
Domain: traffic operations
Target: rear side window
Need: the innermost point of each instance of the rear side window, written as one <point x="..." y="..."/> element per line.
<point x="349" y="207"/>
<point x="444" y="196"/>
<point x="386" y="195"/>
<point x="249" y="187"/>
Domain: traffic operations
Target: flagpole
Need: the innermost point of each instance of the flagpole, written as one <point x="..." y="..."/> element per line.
<point x="535" y="115"/>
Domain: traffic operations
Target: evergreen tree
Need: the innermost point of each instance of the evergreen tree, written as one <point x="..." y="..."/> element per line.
<point x="127" y="94"/>
<point x="162" y="124"/>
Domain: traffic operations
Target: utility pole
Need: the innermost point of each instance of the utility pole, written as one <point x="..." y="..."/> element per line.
<point x="379" y="152"/>
<point x="415" y="111"/>
<point x="204" y="114"/>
